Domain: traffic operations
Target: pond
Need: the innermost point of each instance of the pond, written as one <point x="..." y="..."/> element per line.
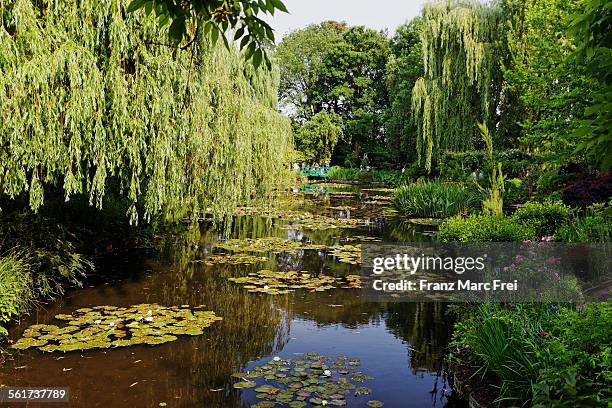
<point x="398" y="349"/>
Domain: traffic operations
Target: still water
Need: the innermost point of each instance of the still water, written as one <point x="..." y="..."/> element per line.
<point x="402" y="345"/>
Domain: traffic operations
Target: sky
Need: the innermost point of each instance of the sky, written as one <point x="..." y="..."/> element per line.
<point x="378" y="14"/>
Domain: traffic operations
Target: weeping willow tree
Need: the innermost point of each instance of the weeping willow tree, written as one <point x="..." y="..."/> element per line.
<point x="455" y="93"/>
<point x="91" y="100"/>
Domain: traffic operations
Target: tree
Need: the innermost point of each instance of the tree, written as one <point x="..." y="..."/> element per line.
<point x="553" y="91"/>
<point x="89" y="101"/>
<point x="592" y="28"/>
<point x="461" y="85"/>
<point x="300" y="56"/>
<point x="405" y="66"/>
<point x="214" y="18"/>
<point x="329" y="67"/>
<point x="318" y="137"/>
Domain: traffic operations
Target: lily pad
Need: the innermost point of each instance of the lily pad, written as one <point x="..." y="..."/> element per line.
<point x="244" y="384"/>
<point x="103" y="327"/>
<point x="278" y="283"/>
<point x="375" y="404"/>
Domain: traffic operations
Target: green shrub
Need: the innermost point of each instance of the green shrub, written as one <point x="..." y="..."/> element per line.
<point x="484" y="228"/>
<point x="393" y="178"/>
<point x="593" y="228"/>
<point x="458" y="166"/>
<point x="16" y="288"/>
<point x="542" y="355"/>
<point x="435" y="199"/>
<point x="545" y="217"/>
<point x="516" y="192"/>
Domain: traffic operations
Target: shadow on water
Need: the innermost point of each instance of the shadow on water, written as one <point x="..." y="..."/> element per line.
<point x="401" y="345"/>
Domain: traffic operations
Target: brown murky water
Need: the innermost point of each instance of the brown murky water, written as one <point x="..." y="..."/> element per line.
<point x="401" y="345"/>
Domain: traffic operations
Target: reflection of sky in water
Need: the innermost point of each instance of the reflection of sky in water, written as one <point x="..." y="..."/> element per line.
<point x="383" y="356"/>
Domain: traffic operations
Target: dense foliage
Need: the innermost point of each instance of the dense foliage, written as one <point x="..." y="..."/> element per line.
<point x="542" y="355"/>
<point x="435" y="199"/>
<point x="90" y="103"/>
<point x="214" y="18"/>
<point x="335" y="68"/>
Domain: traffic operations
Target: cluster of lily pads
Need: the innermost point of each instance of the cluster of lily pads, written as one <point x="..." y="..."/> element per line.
<point x="350" y="254"/>
<point x="103" y="327"/>
<point x="280" y="283"/>
<point x="267" y="244"/>
<point x="232" y="259"/>
<point x="303" y="219"/>
<point x="313" y="379"/>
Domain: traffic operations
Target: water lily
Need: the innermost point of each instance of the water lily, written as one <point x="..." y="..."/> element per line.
<point x="97" y="321"/>
<point x="327" y="373"/>
<point x="276" y="358"/>
<point x="324" y="402"/>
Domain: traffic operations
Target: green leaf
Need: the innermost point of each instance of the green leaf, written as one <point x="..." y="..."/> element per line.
<point x="239" y="33"/>
<point x="177" y="29"/>
<point x="135" y="5"/>
<point x="279" y="5"/>
<point x="257" y="58"/>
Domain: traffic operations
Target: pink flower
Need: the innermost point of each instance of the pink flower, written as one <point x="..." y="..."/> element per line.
<point x="557" y="275"/>
<point x="554" y="260"/>
<point x="547" y="238"/>
<point x="527" y="242"/>
<point x="544" y="333"/>
<point x="532" y="253"/>
<point x="542" y="244"/>
<point x="519" y="257"/>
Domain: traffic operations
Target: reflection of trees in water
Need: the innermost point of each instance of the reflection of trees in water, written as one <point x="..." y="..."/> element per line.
<point x="253" y="326"/>
<point x="426" y="327"/>
<point x="404" y="231"/>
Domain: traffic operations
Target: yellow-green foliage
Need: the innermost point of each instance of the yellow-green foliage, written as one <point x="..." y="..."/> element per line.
<point x="456" y="38"/>
<point x="89" y="94"/>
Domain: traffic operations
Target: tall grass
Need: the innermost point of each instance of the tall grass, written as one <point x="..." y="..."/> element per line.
<point x="505" y="348"/>
<point x="16" y="288"/>
<point x="435" y="199"/>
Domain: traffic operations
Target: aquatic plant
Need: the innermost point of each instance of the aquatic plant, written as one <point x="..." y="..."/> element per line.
<point x="313" y="380"/>
<point x="280" y="283"/>
<point x="111" y="326"/>
<point x="435" y="199"/>
<point x="267" y="244"/>
<point x="231" y="259"/>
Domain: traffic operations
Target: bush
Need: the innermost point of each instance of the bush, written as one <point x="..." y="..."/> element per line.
<point x="587" y="189"/>
<point x="533" y="221"/>
<point x="393" y="178"/>
<point x="593" y="228"/>
<point x="545" y="217"/>
<point x="517" y="192"/>
<point x="485" y="228"/>
<point x="435" y="199"/>
<point x="546" y="355"/>
<point x="16" y="288"/>
<point x="458" y="166"/>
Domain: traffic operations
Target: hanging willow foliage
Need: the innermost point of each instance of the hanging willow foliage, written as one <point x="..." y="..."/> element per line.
<point x="89" y="99"/>
<point x="454" y="94"/>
